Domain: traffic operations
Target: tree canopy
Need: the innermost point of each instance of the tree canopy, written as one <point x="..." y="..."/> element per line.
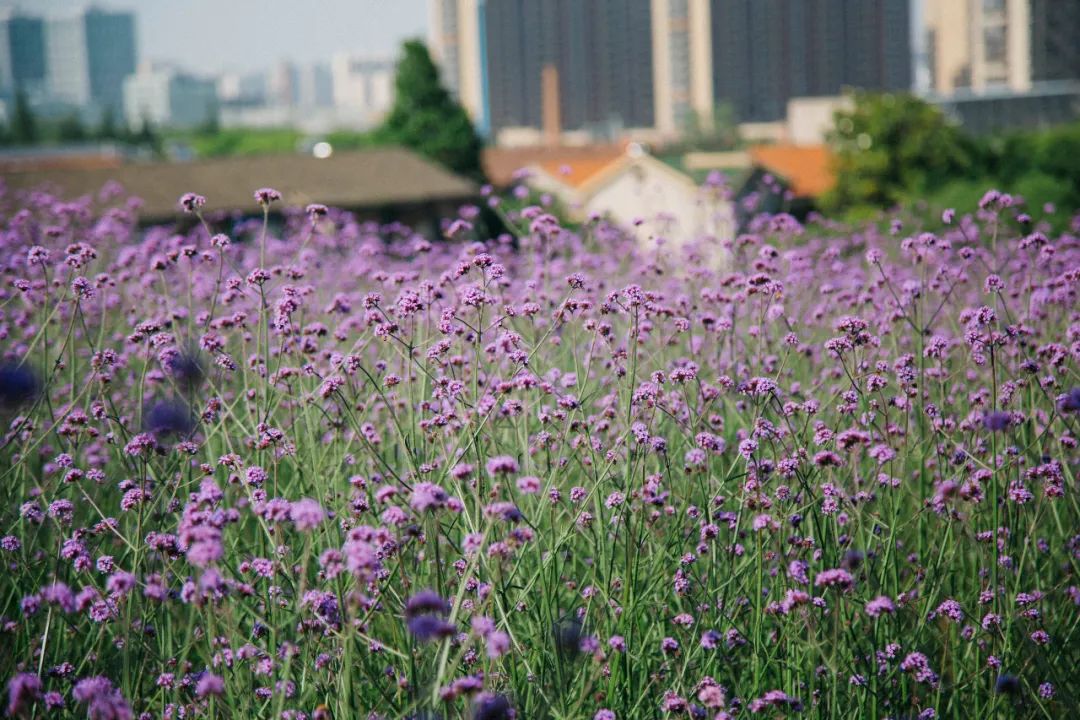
<point x="890" y="144"/>
<point x="427" y="119"/>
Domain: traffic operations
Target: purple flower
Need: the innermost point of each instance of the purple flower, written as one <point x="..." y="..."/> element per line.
<point x="168" y="417"/>
<point x="190" y="202"/>
<point x="836" y="577"/>
<point x="104" y="702"/>
<point x="210" y="684"/>
<point x="24" y="689"/>
<point x="501" y="465"/>
<point x="997" y="421"/>
<point x="491" y="706"/>
<point x="426" y="602"/>
<point x="427" y="496"/>
<point x="429" y="627"/>
<point x="265" y="196"/>
<point x="1070" y="401"/>
<point x="879" y="606"/>
<point x="306" y="514"/>
<point x="18" y="385"/>
<point x="1007" y="684"/>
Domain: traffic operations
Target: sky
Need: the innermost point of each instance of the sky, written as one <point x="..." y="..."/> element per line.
<point x="211" y="36"/>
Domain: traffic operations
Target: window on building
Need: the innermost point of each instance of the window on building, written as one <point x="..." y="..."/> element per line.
<point x="994" y="41"/>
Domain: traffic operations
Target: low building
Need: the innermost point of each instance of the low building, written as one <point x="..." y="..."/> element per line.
<point x="381" y="184"/>
<point x="636" y="190"/>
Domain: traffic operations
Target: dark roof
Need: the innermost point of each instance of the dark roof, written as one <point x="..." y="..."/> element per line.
<point x="355" y="179"/>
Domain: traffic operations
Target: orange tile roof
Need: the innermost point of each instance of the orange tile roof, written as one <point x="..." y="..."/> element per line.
<point x="807" y="169"/>
<point x="501" y="163"/>
<point x="576" y="173"/>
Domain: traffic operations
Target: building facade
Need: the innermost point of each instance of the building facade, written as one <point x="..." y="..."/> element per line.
<point x="982" y="46"/>
<point x="768" y="51"/>
<point x="88" y="56"/>
<point x="22" y="53"/>
<point x="493" y="53"/>
<point x="661" y="65"/>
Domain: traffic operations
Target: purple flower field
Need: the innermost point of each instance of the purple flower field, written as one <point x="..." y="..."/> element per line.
<point x="322" y="468"/>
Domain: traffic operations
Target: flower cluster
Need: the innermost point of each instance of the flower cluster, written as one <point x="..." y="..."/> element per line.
<point x="305" y="466"/>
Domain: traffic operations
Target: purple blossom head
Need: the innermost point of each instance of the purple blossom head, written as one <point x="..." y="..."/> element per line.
<point x="190" y="202"/>
<point x="427" y="496"/>
<point x="24" y="689"/>
<point x="265" y="196"/>
<point x="1070" y="401"/>
<point x="166" y="418"/>
<point x="1007" y="684"/>
<point x="492" y="706"/>
<point x="18" y="385"/>
<point x="104" y="702"/>
<point x="426" y="628"/>
<point x="306" y="514"/>
<point x="501" y="465"/>
<point x="209" y="684"/>
<point x="997" y="421"/>
<point x="426" y="602"/>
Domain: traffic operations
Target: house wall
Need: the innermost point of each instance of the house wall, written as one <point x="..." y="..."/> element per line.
<point x="670" y="206"/>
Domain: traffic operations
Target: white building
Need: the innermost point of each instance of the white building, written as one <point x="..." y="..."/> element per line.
<point x="363" y="86"/>
<point x="167" y="97"/>
<point x="636" y="190"/>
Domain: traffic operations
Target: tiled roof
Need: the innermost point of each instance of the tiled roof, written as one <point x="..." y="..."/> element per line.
<point x="583" y="163"/>
<point x="359" y="179"/>
<point x="807" y="169"/>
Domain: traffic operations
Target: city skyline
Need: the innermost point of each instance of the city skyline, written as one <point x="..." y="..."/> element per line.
<point x="199" y="36"/>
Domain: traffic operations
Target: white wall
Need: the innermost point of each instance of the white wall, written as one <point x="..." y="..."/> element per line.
<point x="670" y="204"/>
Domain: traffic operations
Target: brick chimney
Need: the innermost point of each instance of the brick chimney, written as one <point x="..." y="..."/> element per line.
<point x="549" y="105"/>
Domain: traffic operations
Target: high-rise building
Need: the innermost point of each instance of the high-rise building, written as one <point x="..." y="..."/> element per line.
<point x="22" y="53"/>
<point x="89" y="54"/>
<point x="682" y="64"/>
<point x="662" y="64"/>
<point x="1055" y="40"/>
<point x="493" y="54"/>
<point x="981" y="45"/>
<point x="766" y="52"/>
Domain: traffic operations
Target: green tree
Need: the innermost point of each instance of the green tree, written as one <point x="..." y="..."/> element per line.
<point x="889" y="146"/>
<point x="211" y="124"/>
<point x="107" y="129"/>
<point x="71" y="129"/>
<point x="147" y="136"/>
<point x="718" y="133"/>
<point x="427" y="119"/>
<point x="24" y="127"/>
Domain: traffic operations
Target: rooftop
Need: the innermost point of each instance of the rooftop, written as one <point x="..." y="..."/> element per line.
<point x="360" y="179"/>
<point x="571" y="164"/>
<point x="808" y="169"/>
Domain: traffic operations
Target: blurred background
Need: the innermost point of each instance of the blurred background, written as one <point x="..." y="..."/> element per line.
<point x="846" y="106"/>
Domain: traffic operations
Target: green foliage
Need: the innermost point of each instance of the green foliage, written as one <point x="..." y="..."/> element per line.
<point x="891" y="144"/>
<point x="350" y="140"/>
<point x="246" y="141"/>
<point x="719" y="134"/>
<point x="427" y="119"/>
<point x="71" y="129"/>
<point x="24" y="127"/>
<point x="107" y="129"/>
<point x="894" y="149"/>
